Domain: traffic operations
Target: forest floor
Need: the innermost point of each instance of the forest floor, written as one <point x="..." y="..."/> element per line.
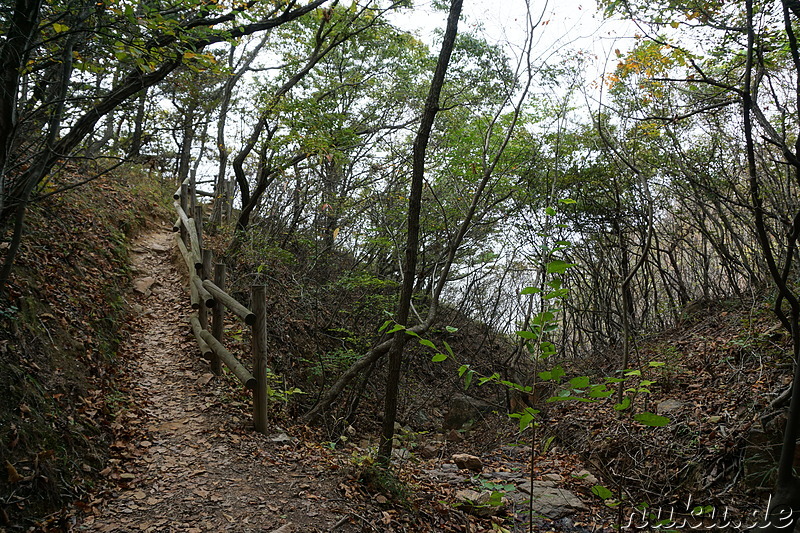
<point x="185" y="457"/>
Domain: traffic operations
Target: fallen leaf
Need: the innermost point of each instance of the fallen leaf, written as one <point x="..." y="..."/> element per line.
<point x="13" y="475"/>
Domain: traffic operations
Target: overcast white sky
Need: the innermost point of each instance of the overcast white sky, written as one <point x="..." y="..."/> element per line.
<point x="566" y="24"/>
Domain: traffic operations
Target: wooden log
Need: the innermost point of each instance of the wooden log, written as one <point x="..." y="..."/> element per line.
<point x="194" y="296"/>
<point x="205" y="350"/>
<point x="183" y="203"/>
<point x="177" y="225"/>
<point x="204" y="193"/>
<point x="182" y="216"/>
<point x="177" y="194"/>
<point x="261" y="391"/>
<point x="218" y="315"/>
<point x="195" y="245"/>
<point x="187" y="257"/>
<point x="227" y="300"/>
<point x="205" y="296"/>
<point x="230" y="361"/>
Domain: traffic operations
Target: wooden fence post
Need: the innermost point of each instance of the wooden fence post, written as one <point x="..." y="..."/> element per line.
<point x="192" y="193"/>
<point x="258" y="305"/>
<point x="229" y="200"/>
<point x="203" y="314"/>
<point x="218" y="316"/>
<point x="198" y="224"/>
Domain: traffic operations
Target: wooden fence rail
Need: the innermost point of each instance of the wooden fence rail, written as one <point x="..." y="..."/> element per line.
<point x="207" y="294"/>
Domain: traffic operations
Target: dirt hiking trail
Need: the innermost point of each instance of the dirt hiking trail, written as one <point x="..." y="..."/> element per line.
<point x="186" y="458"/>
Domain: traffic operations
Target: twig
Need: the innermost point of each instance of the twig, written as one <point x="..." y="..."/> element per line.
<point x="342" y="521"/>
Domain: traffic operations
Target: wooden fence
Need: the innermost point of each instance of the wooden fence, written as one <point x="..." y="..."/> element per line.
<point x="210" y="295"/>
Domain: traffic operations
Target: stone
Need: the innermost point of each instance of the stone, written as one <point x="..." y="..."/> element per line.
<point x="401" y="454"/>
<point x="142" y="285"/>
<point x="478" y="503"/>
<point x="455" y="436"/>
<point x="429" y="451"/>
<point x="552" y="477"/>
<point x="446" y="475"/>
<point x="517" y="477"/>
<point x="463" y="409"/>
<point x="467" y="461"/>
<point x="552" y="502"/>
<point x="204" y="380"/>
<point x="668" y="406"/>
<point x="280" y="437"/>
<point x="586" y="477"/>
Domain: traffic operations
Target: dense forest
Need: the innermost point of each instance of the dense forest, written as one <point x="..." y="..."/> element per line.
<point x="466" y="217"/>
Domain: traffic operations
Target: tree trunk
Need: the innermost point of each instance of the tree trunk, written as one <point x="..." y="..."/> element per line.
<point x="14" y="54"/>
<point x="412" y="243"/>
<point x="785" y="504"/>
<point x="138" y="127"/>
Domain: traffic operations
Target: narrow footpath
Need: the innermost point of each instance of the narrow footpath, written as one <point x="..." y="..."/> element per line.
<point x="189" y="459"/>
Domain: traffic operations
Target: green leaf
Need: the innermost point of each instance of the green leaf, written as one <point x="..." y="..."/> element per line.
<point x="651" y="419"/>
<point x="530" y="290"/>
<point x="525" y="421"/>
<point x="426" y="342"/>
<point x="568" y="201"/>
<point x="450" y="329"/>
<point x="626" y="402"/>
<point x="439" y="357"/>
<point x="543" y="318"/>
<point x="602" y="492"/>
<point x="633" y="373"/>
<point x="552" y="375"/>
<point x="559" y="293"/>
<point x="580" y="382"/>
<point x="384" y="326"/>
<point x="526" y="334"/>
<point x="550" y="211"/>
<point x="448" y="348"/>
<point x="600" y="391"/>
<point x="468" y="379"/>
<point x="655" y="364"/>
<point x="395" y="328"/>
<point x="60" y="28"/>
<point x="558" y="266"/>
<point x="547" y="348"/>
<point x="462" y="369"/>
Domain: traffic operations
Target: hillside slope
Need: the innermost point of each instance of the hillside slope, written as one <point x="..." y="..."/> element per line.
<point x="58" y="338"/>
